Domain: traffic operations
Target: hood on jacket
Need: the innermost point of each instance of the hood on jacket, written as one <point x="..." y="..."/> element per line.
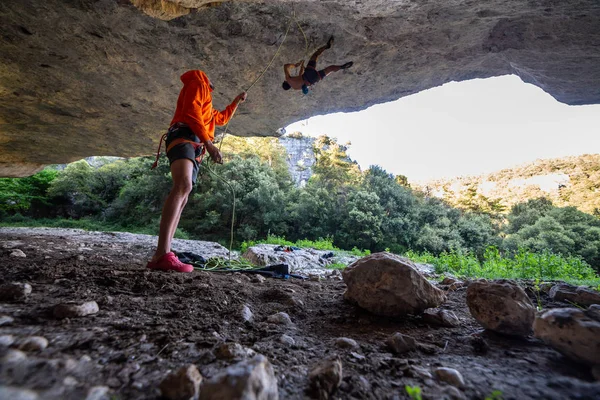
<point x="196" y="75"/>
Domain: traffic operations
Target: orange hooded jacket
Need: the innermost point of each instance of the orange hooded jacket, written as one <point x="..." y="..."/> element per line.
<point x="194" y="106"/>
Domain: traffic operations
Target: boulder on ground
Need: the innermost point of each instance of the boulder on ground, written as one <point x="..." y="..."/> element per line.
<point x="450" y="376"/>
<point x="400" y="343"/>
<point x="325" y="378"/>
<point x="300" y="261"/>
<point x="182" y="385"/>
<point x="389" y="285"/>
<point x="573" y="332"/>
<point x="501" y="306"/>
<point x="247" y="380"/>
<point x="579" y="295"/>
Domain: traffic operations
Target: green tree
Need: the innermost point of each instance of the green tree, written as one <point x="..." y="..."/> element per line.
<point x="20" y="194"/>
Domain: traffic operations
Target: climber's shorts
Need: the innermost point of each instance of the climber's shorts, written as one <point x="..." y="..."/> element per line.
<point x="184" y="150"/>
<point x="311" y="75"/>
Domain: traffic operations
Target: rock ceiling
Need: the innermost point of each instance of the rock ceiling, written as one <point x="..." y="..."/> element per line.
<point x="86" y="77"/>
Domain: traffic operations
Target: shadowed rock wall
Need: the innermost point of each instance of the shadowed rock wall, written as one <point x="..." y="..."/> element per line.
<point x="84" y="77"/>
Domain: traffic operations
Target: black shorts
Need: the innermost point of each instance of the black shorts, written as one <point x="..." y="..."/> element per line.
<point x="311" y="75"/>
<point x="184" y="150"/>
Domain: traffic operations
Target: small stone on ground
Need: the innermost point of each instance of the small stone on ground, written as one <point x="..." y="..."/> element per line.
<point x="73" y="310"/>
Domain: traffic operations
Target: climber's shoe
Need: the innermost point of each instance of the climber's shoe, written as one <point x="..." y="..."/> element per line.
<point x="347" y="65"/>
<point x="170" y="262"/>
<point x="329" y="43"/>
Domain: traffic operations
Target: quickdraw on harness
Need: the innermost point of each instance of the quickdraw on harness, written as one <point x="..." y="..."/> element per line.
<point x="177" y="141"/>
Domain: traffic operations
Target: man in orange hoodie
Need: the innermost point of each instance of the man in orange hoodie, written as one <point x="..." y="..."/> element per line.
<point x="192" y="132"/>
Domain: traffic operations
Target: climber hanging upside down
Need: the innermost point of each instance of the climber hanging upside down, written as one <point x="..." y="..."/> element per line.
<point x="310" y="75"/>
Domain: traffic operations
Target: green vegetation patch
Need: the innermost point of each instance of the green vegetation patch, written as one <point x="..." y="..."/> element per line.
<point x="522" y="265"/>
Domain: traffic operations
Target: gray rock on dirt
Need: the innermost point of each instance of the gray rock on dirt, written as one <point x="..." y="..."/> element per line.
<point x="448" y="281"/>
<point x="34" y="343"/>
<point x="280" y="318"/>
<point x="304" y="261"/>
<point x="6" y="340"/>
<point x="573" y="332"/>
<point x="247" y="380"/>
<point x="15" y="291"/>
<point x="325" y="377"/>
<point x="98" y="393"/>
<point x="74" y="310"/>
<point x="246" y="314"/>
<point x="346" y="343"/>
<point x="13" y="357"/>
<point x="450" y="376"/>
<point x="287" y="340"/>
<point x="13" y="393"/>
<point x="17" y="253"/>
<point x="579" y="295"/>
<point x="232" y="351"/>
<point x="400" y="343"/>
<point x="389" y="285"/>
<point x="441" y="317"/>
<point x="182" y="385"/>
<point x="501" y="306"/>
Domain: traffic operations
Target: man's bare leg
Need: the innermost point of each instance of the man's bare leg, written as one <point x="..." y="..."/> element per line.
<point x="320" y="50"/>
<point x="181" y="171"/>
<point x="336" y="68"/>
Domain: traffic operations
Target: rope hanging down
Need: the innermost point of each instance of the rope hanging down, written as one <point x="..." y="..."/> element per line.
<point x="235" y="109"/>
<point x="292" y="20"/>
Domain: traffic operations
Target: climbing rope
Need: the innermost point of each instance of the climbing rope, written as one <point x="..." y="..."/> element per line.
<point x="232" y="208"/>
<point x="292" y="20"/>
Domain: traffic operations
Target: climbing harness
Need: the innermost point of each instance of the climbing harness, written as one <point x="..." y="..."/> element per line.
<point x="175" y="142"/>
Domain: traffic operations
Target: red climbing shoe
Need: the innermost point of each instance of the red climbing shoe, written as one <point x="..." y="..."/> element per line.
<point x="170" y="262"/>
<point x="347" y="65"/>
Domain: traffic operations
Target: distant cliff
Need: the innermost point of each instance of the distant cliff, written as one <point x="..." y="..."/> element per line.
<point x="568" y="181"/>
<point x="300" y="156"/>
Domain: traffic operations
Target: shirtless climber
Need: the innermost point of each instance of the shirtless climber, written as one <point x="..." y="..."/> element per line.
<point x="310" y="75"/>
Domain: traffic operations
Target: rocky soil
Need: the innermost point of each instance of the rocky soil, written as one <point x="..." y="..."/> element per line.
<point x="88" y="321"/>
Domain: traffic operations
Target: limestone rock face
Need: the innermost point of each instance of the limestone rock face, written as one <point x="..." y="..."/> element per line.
<point x="571" y="331"/>
<point x="300" y="261"/>
<point x="112" y="90"/>
<point x="501" y="306"/>
<point x="300" y="157"/>
<point x="389" y="285"/>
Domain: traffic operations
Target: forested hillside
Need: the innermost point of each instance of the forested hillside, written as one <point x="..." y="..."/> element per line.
<point x="569" y="181"/>
<point x="369" y="209"/>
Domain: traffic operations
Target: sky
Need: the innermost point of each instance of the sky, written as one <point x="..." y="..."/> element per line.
<point x="462" y="128"/>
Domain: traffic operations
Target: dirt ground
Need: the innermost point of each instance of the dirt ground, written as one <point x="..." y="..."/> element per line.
<point x="152" y="322"/>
